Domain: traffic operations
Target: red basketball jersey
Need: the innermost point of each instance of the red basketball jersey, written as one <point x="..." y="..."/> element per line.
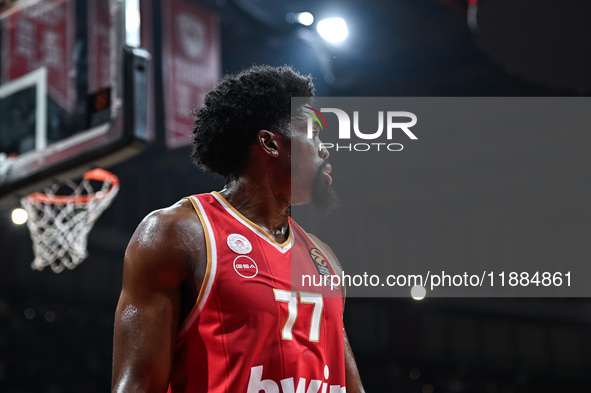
<point x="254" y="328"/>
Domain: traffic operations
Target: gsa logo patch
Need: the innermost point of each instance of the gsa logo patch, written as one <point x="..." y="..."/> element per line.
<point x="245" y="266"/>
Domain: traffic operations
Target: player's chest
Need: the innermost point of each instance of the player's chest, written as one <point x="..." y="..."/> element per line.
<point x="263" y="286"/>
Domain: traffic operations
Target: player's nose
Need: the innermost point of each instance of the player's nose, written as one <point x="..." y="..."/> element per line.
<point x="323" y="151"/>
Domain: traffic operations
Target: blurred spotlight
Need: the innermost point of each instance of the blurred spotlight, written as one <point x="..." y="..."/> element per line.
<point x="19" y="216"/>
<point x="305" y="18"/>
<point x="414" y="374"/>
<point x="418" y="292"/>
<point x="29" y="313"/>
<point x="427" y="388"/>
<point x="333" y="29"/>
<point x="50" y="316"/>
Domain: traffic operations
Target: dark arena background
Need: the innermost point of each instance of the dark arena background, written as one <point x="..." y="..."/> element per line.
<point x="56" y="330"/>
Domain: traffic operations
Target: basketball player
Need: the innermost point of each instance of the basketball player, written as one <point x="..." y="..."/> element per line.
<point x="207" y="303"/>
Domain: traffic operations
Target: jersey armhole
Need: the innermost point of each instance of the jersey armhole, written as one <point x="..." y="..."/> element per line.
<point x="210" y="271"/>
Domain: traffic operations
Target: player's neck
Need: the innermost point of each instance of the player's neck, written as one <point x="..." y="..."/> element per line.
<point x="257" y="200"/>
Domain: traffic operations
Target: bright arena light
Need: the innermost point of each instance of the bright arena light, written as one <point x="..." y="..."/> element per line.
<point x="333" y="29"/>
<point x="132" y="22"/>
<point x="418" y="292"/>
<point x="305" y="18"/>
<point x="19" y="216"/>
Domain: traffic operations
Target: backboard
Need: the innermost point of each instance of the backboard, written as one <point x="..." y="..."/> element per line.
<point x="73" y="90"/>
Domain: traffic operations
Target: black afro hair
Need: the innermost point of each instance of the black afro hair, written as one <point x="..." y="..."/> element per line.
<point x="258" y="98"/>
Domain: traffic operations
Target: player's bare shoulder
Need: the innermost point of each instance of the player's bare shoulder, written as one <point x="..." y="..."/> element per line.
<point x="172" y="235"/>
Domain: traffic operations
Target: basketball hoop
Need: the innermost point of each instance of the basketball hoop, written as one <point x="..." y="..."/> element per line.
<point x="60" y="224"/>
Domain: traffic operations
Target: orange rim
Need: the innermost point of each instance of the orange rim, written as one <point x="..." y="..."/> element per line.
<point x="96" y="174"/>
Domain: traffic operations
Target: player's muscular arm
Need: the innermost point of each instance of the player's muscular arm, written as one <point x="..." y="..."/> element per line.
<point x="353" y="380"/>
<point x="157" y="263"/>
<point x="351" y="373"/>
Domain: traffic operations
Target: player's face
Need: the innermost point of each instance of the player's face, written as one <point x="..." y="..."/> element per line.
<point x="310" y="170"/>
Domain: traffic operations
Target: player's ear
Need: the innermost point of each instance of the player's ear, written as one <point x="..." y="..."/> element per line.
<point x="267" y="141"/>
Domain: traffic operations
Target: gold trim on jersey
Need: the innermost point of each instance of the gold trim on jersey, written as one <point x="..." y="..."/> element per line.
<point x="283" y="247"/>
<point x="210" y="271"/>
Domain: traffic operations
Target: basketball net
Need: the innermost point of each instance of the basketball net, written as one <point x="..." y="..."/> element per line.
<point x="60" y="224"/>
